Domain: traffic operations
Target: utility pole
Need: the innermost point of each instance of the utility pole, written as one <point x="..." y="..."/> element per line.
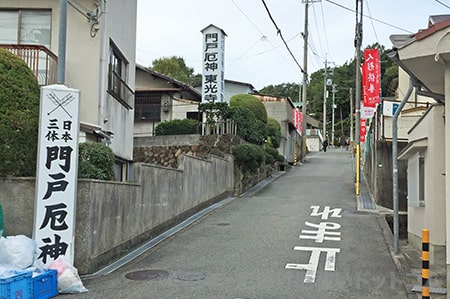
<point x="333" y="90"/>
<point x="305" y="77"/>
<point x="358" y="41"/>
<point x="305" y="81"/>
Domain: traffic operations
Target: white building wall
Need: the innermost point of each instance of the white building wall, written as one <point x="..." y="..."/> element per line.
<point x="432" y="214"/>
<point x="120" y="27"/>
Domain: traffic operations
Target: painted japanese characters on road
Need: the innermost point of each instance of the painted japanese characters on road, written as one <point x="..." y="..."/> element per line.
<point x="324" y="230"/>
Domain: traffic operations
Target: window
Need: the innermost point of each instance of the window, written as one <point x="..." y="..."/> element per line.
<point x="416" y="180"/>
<point x="25" y="27"/>
<point x="147" y="107"/>
<point x="117" y="78"/>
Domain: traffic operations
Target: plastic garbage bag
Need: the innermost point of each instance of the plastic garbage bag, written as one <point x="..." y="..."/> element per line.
<point x="17" y="251"/>
<point x="68" y="279"/>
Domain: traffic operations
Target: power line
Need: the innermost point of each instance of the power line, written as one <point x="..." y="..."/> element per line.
<point x="324" y="28"/>
<point x="281" y="35"/>
<point x="443" y="4"/>
<point x="369" y="17"/>
<point x="371" y="21"/>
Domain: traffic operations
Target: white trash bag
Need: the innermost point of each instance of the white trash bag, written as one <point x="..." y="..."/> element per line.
<point x="68" y="279"/>
<point x="17" y="251"/>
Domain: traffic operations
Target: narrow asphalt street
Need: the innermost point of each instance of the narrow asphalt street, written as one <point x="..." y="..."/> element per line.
<point x="300" y="236"/>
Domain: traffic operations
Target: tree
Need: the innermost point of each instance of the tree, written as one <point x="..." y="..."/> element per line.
<point x="290" y="90"/>
<point x="19" y="116"/>
<point x="174" y="67"/>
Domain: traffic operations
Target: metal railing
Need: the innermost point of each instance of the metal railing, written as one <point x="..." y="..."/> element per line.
<point x="120" y="90"/>
<point x="227" y="127"/>
<point x="42" y="62"/>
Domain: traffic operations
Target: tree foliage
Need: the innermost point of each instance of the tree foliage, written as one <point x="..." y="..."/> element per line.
<point x="175" y="67"/>
<point x="19" y="121"/>
<point x="96" y="161"/>
<point x="251" y="103"/>
<point x="290" y="90"/>
<point x="250" y="116"/>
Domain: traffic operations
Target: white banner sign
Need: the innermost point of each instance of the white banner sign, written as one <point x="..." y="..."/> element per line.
<point x="367" y="112"/>
<point x="213" y="79"/>
<point x="56" y="173"/>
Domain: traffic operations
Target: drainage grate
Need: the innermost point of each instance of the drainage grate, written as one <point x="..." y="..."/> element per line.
<point x="147" y="275"/>
<point x="222" y="224"/>
<point x="356" y="212"/>
<point x="192" y="276"/>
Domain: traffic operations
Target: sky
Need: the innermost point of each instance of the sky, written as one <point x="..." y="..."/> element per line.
<point x="254" y="52"/>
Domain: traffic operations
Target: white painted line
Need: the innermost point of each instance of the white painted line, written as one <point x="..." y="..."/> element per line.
<point x="311" y="267"/>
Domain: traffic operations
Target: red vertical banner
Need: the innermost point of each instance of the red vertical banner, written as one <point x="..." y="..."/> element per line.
<point x="297" y="119"/>
<point x="300" y="122"/>
<point x="371" y="78"/>
<point x="362" y="130"/>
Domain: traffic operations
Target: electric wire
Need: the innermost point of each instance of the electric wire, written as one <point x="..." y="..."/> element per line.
<point x="371" y="21"/>
<point x="317" y="32"/>
<point x="377" y="20"/>
<point x="324" y="28"/>
<point x="281" y="36"/>
<point x="443" y="4"/>
<point x="262" y="36"/>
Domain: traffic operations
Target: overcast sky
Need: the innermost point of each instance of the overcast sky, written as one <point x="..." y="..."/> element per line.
<point x="254" y="53"/>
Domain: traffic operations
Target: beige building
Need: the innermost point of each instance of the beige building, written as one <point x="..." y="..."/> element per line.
<point x="100" y="61"/>
<point x="160" y="98"/>
<point x="425" y="56"/>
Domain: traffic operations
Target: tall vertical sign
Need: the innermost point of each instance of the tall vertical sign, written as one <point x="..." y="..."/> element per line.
<point x="56" y="173"/>
<point x="371" y="78"/>
<point x="213" y="78"/>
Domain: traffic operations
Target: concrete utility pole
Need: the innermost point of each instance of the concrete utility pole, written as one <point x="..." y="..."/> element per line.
<point x="358" y="41"/>
<point x="333" y="90"/>
<point x="305" y="77"/>
<point x="305" y="81"/>
<point x="61" y="69"/>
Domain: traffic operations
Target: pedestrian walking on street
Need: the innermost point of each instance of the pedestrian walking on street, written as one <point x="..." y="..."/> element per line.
<point x="325" y="144"/>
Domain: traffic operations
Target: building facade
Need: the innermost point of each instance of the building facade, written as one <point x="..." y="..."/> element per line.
<point x="99" y="61"/>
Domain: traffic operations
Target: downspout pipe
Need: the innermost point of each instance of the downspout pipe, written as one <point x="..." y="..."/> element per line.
<point x="395" y="165"/>
<point x="61" y="68"/>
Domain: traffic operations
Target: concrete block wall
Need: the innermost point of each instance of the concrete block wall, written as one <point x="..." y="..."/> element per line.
<point x="115" y="217"/>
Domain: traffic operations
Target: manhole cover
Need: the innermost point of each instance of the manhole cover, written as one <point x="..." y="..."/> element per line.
<point x="192" y="276"/>
<point x="148" y="275"/>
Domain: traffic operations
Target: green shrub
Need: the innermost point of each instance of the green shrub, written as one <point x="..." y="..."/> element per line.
<point x="273" y="155"/>
<point x="96" y="161"/>
<point x="248" y="156"/>
<point x="273" y="132"/>
<point x="252" y="103"/>
<point x="249" y="127"/>
<point x="19" y="116"/>
<point x="177" y="127"/>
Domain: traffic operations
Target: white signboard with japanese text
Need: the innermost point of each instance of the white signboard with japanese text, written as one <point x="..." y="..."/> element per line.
<point x="213" y="61"/>
<point x="56" y="173"/>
